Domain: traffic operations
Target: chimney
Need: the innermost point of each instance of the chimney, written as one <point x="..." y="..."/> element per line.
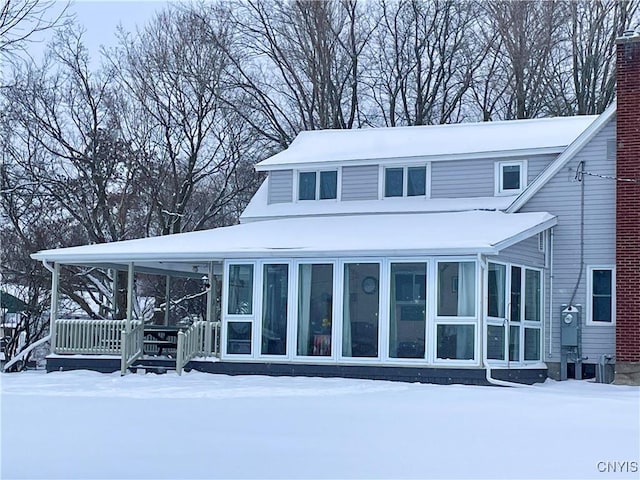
<point x="628" y="209"/>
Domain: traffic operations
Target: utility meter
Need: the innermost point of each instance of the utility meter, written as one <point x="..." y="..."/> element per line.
<point x="570" y="326"/>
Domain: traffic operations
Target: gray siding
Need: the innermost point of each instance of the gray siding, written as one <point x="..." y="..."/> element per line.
<point x="523" y="253"/>
<point x="280" y="186"/>
<point x="476" y="178"/>
<point x="462" y="178"/>
<point x="561" y="196"/>
<point x="360" y="183"/>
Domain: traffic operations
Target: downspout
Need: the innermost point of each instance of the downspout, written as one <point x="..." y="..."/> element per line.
<point x="482" y="261"/>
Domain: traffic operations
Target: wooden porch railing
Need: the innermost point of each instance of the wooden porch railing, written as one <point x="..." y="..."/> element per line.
<point x="192" y="343"/>
<point x="132" y="345"/>
<point x="88" y="336"/>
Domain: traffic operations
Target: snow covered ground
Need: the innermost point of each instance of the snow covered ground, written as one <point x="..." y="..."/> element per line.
<point x="89" y="425"/>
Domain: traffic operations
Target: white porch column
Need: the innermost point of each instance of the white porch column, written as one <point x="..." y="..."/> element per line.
<point x="114" y="294"/>
<point x="55" y="280"/>
<point x="167" y="299"/>
<point x="210" y="311"/>
<point x="130" y="276"/>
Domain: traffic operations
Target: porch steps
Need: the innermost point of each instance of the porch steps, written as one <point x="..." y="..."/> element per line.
<point x="153" y="365"/>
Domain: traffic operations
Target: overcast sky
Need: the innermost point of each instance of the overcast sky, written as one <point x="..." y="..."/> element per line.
<point x="100" y="19"/>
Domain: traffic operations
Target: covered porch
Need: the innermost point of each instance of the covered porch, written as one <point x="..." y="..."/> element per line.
<point x="413" y="297"/>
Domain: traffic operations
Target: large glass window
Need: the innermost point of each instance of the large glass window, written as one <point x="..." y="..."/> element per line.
<point x="495" y="342"/>
<point x="516" y="294"/>
<point x="531" y="344"/>
<point x="408" y="315"/>
<point x="315" y="309"/>
<point x="456" y="289"/>
<point x="275" y="283"/>
<point x="496" y="290"/>
<point x="318" y="185"/>
<point x="240" y="299"/>
<point x="455" y="342"/>
<point x="361" y="310"/>
<point x="405" y="181"/>
<point x="239" y="338"/>
<point x="601" y="293"/>
<point x="532" y="287"/>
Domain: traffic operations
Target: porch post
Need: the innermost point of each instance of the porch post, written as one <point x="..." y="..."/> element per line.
<point x="129" y="297"/>
<point x="55" y="280"/>
<point x="210" y="313"/>
<point x="114" y="294"/>
<point x="167" y="299"/>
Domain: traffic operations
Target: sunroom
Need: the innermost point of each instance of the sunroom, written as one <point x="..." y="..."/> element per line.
<point x="435" y="297"/>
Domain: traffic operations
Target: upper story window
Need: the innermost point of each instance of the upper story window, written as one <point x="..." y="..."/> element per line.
<point x="511" y="177"/>
<point x="405" y="181"/>
<point x="321" y="185"/>
<point x="601" y="296"/>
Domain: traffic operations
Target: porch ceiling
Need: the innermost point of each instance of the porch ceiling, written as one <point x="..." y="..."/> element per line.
<point x="450" y="233"/>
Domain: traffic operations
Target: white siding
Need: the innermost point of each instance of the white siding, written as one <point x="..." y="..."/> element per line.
<point x="280" y="186"/>
<point x="561" y="196"/>
<point x="360" y="183"/>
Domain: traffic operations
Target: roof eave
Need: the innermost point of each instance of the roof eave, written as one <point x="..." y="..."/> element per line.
<point x="525" y="234"/>
<point x="262" y="167"/>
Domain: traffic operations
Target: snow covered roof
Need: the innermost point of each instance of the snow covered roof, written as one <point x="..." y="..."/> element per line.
<point x="436" y="142"/>
<point x="452" y="233"/>
<point x="260" y="209"/>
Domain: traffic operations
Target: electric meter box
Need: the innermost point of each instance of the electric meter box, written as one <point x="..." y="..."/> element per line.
<point x="570" y="326"/>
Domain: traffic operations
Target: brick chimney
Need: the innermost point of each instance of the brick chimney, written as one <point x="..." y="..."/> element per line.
<point x="628" y="209"/>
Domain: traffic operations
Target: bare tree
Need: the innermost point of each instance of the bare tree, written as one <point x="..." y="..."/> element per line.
<point x="425" y="59"/>
<point x="526" y="46"/>
<point x="196" y="148"/>
<point x="298" y="65"/>
<point x="22" y="20"/>
<point x="584" y="83"/>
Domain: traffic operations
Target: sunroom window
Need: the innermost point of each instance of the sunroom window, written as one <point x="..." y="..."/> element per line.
<point x="408" y="312"/>
<point x="456" y="289"/>
<point x="361" y="310"/>
<point x="321" y="185"/>
<point x="405" y="181"/>
<point x="315" y="309"/>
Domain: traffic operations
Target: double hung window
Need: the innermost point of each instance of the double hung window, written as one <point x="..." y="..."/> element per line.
<point x="601" y="296"/>
<point x="405" y="181"/>
<point x="322" y="185"/>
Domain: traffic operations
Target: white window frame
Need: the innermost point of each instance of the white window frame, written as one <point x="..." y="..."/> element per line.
<point x="498" y="176"/>
<point x="257" y="343"/>
<point x="405" y="179"/>
<point x="506" y="322"/>
<point x="447" y="320"/>
<point x="335" y="311"/>
<point x="383" y="306"/>
<point x="231" y="318"/>
<point x="590" y="321"/>
<point x="296" y="184"/>
<point x="386" y="316"/>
